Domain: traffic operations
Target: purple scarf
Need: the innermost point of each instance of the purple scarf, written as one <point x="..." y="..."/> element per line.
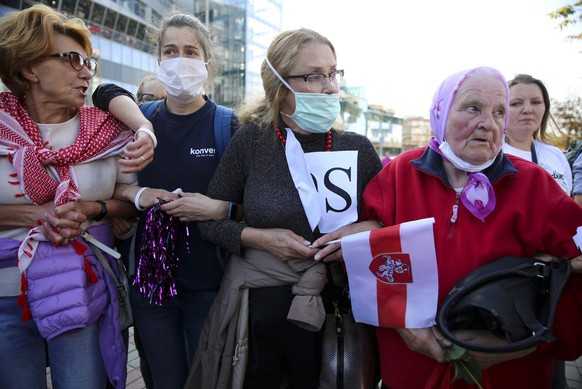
<point x="478" y="195"/>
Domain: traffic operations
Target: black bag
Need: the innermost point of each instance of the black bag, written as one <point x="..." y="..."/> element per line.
<point x="349" y="349"/>
<point x="514" y="298"/>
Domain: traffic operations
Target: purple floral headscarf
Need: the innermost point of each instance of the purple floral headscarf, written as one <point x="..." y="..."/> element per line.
<point x="478" y="195"/>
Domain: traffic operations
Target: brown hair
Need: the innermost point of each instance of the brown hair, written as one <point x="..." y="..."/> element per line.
<point x="539" y="134"/>
<point x="27" y="36"/>
<point x="181" y="19"/>
<point x="282" y="54"/>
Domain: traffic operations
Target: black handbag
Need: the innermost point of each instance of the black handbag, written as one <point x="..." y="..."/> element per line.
<point x="514" y="298"/>
<point x="349" y="349"/>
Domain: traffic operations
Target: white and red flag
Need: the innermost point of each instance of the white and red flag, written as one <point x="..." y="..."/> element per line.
<point x="393" y="275"/>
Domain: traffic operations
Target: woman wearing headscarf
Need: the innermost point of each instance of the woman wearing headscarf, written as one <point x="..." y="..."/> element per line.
<point x="486" y="205"/>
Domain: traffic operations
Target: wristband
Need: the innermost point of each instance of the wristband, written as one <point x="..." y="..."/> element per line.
<point x="137" y="196"/>
<point x="150" y="133"/>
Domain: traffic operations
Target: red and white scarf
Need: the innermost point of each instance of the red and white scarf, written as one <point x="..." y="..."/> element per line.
<point x="100" y="136"/>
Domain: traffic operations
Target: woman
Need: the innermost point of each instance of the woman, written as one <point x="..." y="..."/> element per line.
<point x="150" y="89"/>
<point x="484" y="204"/>
<point x="61" y="169"/>
<point x="286" y="163"/>
<point x="529" y="112"/>
<point x="184" y="124"/>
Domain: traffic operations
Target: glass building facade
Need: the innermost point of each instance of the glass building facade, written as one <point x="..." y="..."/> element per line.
<point x="119" y="29"/>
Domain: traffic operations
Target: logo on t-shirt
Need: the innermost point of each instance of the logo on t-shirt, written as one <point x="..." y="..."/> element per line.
<point x="203" y="152"/>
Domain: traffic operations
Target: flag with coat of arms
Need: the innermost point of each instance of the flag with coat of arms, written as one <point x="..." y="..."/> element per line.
<point x="393" y="275"/>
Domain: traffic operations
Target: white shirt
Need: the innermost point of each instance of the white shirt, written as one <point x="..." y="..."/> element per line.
<point x="550" y="158"/>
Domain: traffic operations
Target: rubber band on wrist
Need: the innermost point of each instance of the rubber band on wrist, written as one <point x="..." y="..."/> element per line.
<point x="137" y="196"/>
<point x="150" y="134"/>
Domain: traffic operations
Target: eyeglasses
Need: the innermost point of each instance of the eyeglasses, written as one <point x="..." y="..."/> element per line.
<point x="77" y="61"/>
<point x="146" y="97"/>
<point x="316" y="81"/>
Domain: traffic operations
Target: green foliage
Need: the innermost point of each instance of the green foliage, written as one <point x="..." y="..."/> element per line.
<point x="569" y="15"/>
<point x="568" y="116"/>
<point x="464" y="365"/>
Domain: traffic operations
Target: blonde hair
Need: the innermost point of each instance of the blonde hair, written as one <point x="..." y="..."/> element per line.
<point x="27" y="36"/>
<point x="282" y="54"/>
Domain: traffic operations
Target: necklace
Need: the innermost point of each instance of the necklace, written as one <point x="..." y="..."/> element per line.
<point x="327" y="139"/>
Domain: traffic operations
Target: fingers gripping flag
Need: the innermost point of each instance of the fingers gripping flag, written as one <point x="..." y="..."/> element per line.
<point x="393" y="275"/>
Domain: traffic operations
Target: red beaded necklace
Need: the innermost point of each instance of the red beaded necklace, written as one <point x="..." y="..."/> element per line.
<point x="327" y="140"/>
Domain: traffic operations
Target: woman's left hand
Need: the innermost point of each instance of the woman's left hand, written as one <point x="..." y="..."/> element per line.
<point x="333" y="251"/>
<point x="138" y="154"/>
<point x="195" y="207"/>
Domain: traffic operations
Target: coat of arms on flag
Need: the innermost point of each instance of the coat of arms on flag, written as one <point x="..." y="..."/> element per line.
<point x="393" y="275"/>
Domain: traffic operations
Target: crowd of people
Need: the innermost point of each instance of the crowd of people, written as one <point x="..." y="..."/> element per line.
<point x="234" y="253"/>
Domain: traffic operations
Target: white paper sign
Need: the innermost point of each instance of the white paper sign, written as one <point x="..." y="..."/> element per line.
<point x="336" y="180"/>
<point x="578" y="238"/>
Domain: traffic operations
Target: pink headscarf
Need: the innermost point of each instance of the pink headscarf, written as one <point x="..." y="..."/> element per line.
<point x="478" y="195"/>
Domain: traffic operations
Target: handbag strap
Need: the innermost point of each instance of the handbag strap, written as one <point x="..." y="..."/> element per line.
<point x="103" y="261"/>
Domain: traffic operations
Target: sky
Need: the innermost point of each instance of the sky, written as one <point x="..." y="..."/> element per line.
<point x="401" y="50"/>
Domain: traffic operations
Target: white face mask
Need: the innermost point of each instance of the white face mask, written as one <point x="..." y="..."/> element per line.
<point x="314" y="112"/>
<point x="183" y="78"/>
<point x="461" y="164"/>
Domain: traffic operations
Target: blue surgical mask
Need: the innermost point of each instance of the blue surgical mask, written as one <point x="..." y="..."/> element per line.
<point x="314" y="112"/>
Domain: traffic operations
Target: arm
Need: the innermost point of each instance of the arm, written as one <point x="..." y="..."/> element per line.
<point x="196" y="207"/>
<point x="121" y="105"/>
<point x="23" y="216"/>
<point x="67" y="219"/>
<point x="282" y="243"/>
<point x="142" y="196"/>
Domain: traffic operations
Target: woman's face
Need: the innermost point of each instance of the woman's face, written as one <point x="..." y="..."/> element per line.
<point x="54" y="83"/>
<point x="477" y="118"/>
<point x="152" y="91"/>
<point x="526" y="110"/>
<point x="312" y="58"/>
<point x="181" y="42"/>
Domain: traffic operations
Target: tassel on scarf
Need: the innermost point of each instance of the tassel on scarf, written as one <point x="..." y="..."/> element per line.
<point x="22" y="302"/>
<point x="80" y="249"/>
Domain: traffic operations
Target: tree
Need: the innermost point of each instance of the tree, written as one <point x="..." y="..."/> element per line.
<point x="568" y="115"/>
<point x="569" y="14"/>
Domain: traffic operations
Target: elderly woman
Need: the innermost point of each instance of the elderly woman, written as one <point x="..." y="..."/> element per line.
<point x="60" y="169"/>
<point x="486" y="205"/>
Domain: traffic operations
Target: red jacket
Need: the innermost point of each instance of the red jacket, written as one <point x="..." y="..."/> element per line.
<point x="532" y="215"/>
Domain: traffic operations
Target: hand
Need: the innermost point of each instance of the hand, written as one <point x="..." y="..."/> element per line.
<point x="486" y="360"/>
<point x="282" y="243"/>
<point x="152" y="196"/>
<point x="121" y="227"/>
<point x="64" y="223"/>
<point x="577" y="264"/>
<point x="138" y="154"/>
<point x="333" y="251"/>
<point x="195" y="207"/>
<point x="426" y="341"/>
